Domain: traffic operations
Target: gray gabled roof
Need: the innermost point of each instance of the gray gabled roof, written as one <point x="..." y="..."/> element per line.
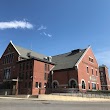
<point x="23" y="52"/>
<point x="67" y="60"/>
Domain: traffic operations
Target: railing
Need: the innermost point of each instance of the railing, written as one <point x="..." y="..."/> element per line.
<point x="5" y="91"/>
<point x="76" y="93"/>
<point x="64" y="90"/>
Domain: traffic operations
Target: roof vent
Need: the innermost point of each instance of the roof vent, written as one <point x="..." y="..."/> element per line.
<point x="76" y="51"/>
<point x="45" y="58"/>
<point x="50" y="59"/>
<point x="29" y="54"/>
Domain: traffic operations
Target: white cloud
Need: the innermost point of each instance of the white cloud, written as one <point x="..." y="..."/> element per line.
<point x="103" y="57"/>
<point x="49" y="35"/>
<point x="15" y="25"/>
<point x="44" y="33"/>
<point x="42" y="28"/>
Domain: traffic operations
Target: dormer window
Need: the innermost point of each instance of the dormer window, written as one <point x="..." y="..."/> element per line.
<point x="29" y="54"/>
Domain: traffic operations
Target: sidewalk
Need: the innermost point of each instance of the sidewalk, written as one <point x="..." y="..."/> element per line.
<point x="58" y="98"/>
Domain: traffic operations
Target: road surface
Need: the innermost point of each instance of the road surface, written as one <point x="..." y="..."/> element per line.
<point x="12" y="104"/>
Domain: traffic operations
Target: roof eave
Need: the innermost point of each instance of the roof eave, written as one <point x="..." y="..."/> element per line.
<point x="15" y="47"/>
<point x="77" y="63"/>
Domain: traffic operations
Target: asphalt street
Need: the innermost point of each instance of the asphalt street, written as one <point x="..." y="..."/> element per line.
<point x="10" y="104"/>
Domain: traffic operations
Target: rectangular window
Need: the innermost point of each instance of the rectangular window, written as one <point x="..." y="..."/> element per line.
<point x="23" y="66"/>
<point x="45" y="85"/>
<point x="30" y="75"/>
<point x="45" y="76"/>
<point x="26" y="75"/>
<point x="20" y="66"/>
<point x="92" y="71"/>
<point x="29" y="85"/>
<point x="27" y="66"/>
<point x="22" y="75"/>
<point x="48" y="67"/>
<point x="7" y="73"/>
<point x="31" y="65"/>
<point x="40" y="84"/>
<point x="87" y="70"/>
<point x="96" y="73"/>
<point x="93" y="86"/>
<point x="8" y="58"/>
<point x="91" y="59"/>
<point x="25" y="86"/>
<point x="89" y="85"/>
<point x="36" y="85"/>
<point x="45" y="67"/>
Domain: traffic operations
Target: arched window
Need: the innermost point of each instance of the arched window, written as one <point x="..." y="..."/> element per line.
<point x="72" y="84"/>
<point x="55" y="84"/>
<point x="83" y="85"/>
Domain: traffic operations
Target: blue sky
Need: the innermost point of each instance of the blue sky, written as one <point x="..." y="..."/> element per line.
<point x="57" y="26"/>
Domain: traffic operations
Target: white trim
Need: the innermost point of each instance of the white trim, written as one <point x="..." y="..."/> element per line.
<point x="90" y="57"/>
<point x="15" y="47"/>
<point x="95" y="85"/>
<point x="52" y="68"/>
<point x="93" y="82"/>
<point x="84" y="82"/>
<point x="97" y="72"/>
<point x="86" y="69"/>
<point x="74" y="80"/>
<point x="89" y="85"/>
<point x="82" y="56"/>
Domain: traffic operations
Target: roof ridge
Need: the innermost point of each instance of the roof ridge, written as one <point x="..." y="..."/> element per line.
<point x="60" y="54"/>
<point x="24" y="48"/>
<point x="67" y="52"/>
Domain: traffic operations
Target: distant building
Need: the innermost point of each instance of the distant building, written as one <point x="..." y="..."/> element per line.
<point x="77" y="69"/>
<point x="104" y="77"/>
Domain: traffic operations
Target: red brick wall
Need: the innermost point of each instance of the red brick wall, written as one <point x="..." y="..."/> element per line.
<point x="38" y="76"/>
<point x="82" y="71"/>
<point x="24" y="80"/>
<point x="63" y="76"/>
<point x="11" y="65"/>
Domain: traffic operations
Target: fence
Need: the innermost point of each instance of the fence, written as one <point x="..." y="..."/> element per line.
<point x="77" y="93"/>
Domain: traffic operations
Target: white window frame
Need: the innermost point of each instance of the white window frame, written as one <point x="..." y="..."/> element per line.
<point x="84" y="82"/>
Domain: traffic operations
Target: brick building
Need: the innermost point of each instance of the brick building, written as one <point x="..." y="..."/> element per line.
<point x="23" y="71"/>
<point x="104" y="77"/>
<point x="76" y="69"/>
